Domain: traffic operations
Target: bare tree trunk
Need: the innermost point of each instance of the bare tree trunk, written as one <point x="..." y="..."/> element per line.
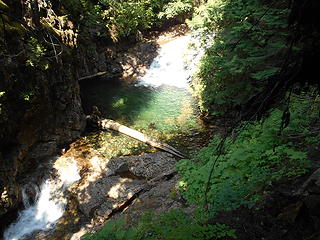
<point x="106" y="124"/>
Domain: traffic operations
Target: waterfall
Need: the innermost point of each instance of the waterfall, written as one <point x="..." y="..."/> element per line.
<point x="42" y="212"/>
<point x="165" y="104"/>
<point x="174" y="65"/>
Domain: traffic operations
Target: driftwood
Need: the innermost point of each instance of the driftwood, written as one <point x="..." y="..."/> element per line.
<point x="106" y="124"/>
<point x="99" y="74"/>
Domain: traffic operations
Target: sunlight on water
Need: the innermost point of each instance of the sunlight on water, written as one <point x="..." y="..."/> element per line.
<point x="168" y="67"/>
<point x="159" y="98"/>
<point x="160" y="104"/>
<point x="49" y="202"/>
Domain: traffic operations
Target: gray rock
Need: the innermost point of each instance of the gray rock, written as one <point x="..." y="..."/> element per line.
<point x="162" y="197"/>
<point x="147" y="165"/>
<point x="105" y="194"/>
<point x="102" y="192"/>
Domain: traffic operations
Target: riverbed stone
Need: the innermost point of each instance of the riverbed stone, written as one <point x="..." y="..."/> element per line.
<point x="105" y="194"/>
<point x="163" y="196"/>
<point x="150" y="165"/>
<point x="110" y="186"/>
<point x="146" y="165"/>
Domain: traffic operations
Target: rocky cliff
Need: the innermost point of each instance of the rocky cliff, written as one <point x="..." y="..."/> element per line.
<point x="40" y="106"/>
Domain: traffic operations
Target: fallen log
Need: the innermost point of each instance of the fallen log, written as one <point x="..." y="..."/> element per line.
<point x="99" y="74"/>
<point x="106" y="124"/>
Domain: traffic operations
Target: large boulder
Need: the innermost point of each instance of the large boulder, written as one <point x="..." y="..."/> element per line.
<point x="111" y="185"/>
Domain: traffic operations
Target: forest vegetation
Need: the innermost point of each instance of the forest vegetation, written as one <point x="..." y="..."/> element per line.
<point x="256" y="71"/>
<point x="257" y="76"/>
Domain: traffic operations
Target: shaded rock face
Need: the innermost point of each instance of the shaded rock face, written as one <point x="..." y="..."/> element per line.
<point x="40" y="106"/>
<point x="117" y="60"/>
<point x="34" y="130"/>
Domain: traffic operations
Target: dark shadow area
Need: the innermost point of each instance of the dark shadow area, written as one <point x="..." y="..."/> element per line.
<point x="114" y="100"/>
<point x="6" y="220"/>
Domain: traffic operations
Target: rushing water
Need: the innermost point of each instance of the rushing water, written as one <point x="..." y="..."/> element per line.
<point x="47" y="205"/>
<point x="161" y="99"/>
<point x="160" y="104"/>
<point x="169" y="67"/>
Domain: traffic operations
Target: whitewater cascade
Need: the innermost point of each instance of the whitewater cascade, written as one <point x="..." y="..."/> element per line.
<point x="168" y="78"/>
<point x="174" y="65"/>
<point x="49" y="202"/>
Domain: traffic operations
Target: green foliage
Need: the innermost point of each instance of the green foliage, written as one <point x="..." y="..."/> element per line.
<point x="35" y="54"/>
<point x="126" y="17"/>
<point x="249" y="43"/>
<point x="257" y="157"/>
<point x="172" y="225"/>
<point x="177" y="225"/>
<point x="176" y="8"/>
<point x="114" y="230"/>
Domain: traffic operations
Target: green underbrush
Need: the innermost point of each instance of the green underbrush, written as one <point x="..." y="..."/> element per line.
<point x="246" y="42"/>
<point x="246" y="46"/>
<point x="262" y="153"/>
<point x="259" y="155"/>
<point x="172" y="225"/>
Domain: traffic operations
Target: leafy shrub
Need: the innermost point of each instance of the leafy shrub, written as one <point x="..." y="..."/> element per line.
<point x="249" y="42"/>
<point x="35" y="54"/>
<point x="259" y="156"/>
<point x="121" y="19"/>
<point x="176" y="8"/>
<point x="172" y="225"/>
<point x="125" y="18"/>
<point x="177" y="225"/>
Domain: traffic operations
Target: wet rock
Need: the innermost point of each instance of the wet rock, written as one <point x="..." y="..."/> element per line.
<point x="37" y="235"/>
<point x="30" y="194"/>
<point x="135" y="60"/>
<point x="35" y="134"/>
<point x="10" y="197"/>
<point x="99" y="198"/>
<point x="43" y="150"/>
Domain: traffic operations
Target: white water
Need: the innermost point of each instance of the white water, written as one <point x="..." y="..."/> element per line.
<point x="48" y="207"/>
<point x="174" y="65"/>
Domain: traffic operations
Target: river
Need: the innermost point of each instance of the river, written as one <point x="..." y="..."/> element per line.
<point x="159" y="104"/>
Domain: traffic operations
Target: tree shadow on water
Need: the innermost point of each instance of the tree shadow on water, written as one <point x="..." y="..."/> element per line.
<point x="114" y="100"/>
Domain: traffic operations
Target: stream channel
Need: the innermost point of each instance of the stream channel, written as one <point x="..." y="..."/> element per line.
<point x="159" y="104"/>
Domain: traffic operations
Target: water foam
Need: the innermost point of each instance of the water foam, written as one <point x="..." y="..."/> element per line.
<point x="169" y="67"/>
<point x="48" y="207"/>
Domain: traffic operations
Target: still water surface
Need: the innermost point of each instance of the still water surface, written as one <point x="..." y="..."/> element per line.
<point x="159" y="104"/>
